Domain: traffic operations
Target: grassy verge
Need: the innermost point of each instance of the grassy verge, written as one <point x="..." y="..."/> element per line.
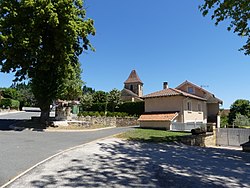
<point x="150" y="135"/>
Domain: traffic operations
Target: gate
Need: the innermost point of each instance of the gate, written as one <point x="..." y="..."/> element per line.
<point x="232" y="136"/>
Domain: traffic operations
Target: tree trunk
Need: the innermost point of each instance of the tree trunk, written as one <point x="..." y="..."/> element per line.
<point x="44" y="117"/>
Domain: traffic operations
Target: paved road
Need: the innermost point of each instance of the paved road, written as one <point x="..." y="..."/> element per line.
<point x="19" y="150"/>
<point x="12" y="118"/>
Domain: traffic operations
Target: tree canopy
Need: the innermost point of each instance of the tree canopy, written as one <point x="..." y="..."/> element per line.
<point x="237" y="12"/>
<point x="42" y="40"/>
<point x="240" y="106"/>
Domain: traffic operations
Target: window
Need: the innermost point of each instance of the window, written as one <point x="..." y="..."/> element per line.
<point x="189" y="106"/>
<point x="131" y="88"/>
<point x="199" y="107"/>
<point x="190" y="90"/>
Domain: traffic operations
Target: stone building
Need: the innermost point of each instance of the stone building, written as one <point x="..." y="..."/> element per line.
<point x="133" y="88"/>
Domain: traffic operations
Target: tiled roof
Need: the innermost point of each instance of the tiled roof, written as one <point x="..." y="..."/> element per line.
<point x="133" y="78"/>
<point x="158" y="117"/>
<point x="209" y="96"/>
<point x="126" y="92"/>
<point x="171" y="92"/>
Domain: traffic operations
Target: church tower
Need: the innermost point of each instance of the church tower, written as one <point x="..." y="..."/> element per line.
<point x="134" y="84"/>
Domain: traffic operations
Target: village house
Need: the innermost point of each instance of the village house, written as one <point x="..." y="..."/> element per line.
<point x="187" y="103"/>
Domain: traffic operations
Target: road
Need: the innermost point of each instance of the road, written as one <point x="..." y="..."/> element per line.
<point x="20" y="150"/>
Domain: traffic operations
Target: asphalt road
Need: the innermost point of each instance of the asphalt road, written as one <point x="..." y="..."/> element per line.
<point x="20" y="150"/>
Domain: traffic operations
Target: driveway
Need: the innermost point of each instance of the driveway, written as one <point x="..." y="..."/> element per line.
<point x="116" y="163"/>
<point x="19" y="150"/>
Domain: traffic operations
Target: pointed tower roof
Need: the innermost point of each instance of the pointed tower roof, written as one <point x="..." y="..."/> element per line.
<point x="133" y="78"/>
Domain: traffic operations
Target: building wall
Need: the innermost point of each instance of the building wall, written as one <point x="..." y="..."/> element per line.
<point x="212" y="112"/>
<point x="178" y="104"/>
<point x="197" y="91"/>
<point x="156" y="124"/>
<point x="163" y="104"/>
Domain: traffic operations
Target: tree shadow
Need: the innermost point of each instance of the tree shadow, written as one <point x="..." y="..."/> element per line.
<point x="138" y="164"/>
<point x="6" y="124"/>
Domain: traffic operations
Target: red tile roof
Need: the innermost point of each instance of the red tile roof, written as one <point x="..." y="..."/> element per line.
<point x="171" y="92"/>
<point x="133" y="78"/>
<point x="158" y="117"/>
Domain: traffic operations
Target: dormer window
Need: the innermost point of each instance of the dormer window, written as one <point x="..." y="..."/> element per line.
<point x="190" y="89"/>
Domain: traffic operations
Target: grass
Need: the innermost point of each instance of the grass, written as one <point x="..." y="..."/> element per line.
<point x="151" y="135"/>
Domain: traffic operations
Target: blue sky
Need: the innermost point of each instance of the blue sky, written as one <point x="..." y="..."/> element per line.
<point x="163" y="41"/>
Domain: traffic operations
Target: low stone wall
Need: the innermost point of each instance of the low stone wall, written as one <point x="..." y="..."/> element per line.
<point x="87" y="121"/>
<point x="202" y="140"/>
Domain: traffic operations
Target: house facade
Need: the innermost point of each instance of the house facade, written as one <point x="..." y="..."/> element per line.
<point x="182" y="104"/>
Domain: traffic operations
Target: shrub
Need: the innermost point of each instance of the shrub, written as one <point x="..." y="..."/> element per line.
<point x="12" y="104"/>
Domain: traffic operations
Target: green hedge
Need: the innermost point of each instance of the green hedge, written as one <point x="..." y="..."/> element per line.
<point x="131" y="108"/>
<point x="12" y="104"/>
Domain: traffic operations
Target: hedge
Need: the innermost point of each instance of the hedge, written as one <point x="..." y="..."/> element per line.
<point x="131" y="108"/>
<point x="12" y="104"/>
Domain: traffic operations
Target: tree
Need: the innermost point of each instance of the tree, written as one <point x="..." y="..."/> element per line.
<point x="237" y="12"/>
<point x="114" y="98"/>
<point x="240" y="106"/>
<point x="86" y="101"/>
<point x="42" y="40"/>
<point x="241" y="120"/>
<point x="100" y="97"/>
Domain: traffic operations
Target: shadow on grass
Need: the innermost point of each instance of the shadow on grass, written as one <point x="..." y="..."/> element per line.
<point x="137" y="164"/>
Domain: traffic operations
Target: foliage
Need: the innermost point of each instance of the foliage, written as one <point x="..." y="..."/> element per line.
<point x="114" y="98"/>
<point x="10" y="93"/>
<point x="132" y="108"/>
<point x="86" y="101"/>
<point x="237" y="12"/>
<point x="240" y="106"/>
<point x="86" y="90"/>
<point x="108" y="114"/>
<point x="223" y="121"/>
<point x="100" y="97"/>
<point x="9" y="103"/>
<point x="241" y="120"/>
<point x="42" y="40"/>
<point x="25" y="95"/>
<point x="150" y="135"/>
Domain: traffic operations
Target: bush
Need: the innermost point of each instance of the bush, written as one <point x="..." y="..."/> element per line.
<point x="132" y="108"/>
<point x="12" y="104"/>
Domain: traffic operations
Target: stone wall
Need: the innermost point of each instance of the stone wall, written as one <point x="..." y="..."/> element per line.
<point x="202" y="140"/>
<point x="107" y="121"/>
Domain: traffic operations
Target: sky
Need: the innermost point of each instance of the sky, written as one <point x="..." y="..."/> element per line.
<point x="163" y="41"/>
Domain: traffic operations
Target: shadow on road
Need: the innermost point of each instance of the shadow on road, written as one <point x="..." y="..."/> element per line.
<point x="136" y="164"/>
<point x="6" y="124"/>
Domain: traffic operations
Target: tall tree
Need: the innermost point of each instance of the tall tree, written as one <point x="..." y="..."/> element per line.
<point x="42" y="40"/>
<point x="236" y="11"/>
<point x="114" y="98"/>
<point x="240" y="106"/>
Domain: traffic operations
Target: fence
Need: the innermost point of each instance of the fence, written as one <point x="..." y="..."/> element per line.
<point x="187" y="127"/>
<point x="231" y="136"/>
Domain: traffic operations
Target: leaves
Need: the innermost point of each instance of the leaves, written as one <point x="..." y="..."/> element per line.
<point x="237" y="12"/>
<point x="42" y="40"/>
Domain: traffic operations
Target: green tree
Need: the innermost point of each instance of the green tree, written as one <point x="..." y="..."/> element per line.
<point x="240" y="106"/>
<point x="237" y="12"/>
<point x="86" y="101"/>
<point x="100" y="97"/>
<point x="42" y="40"/>
<point x="86" y="89"/>
<point x="114" y="98"/>
<point x="10" y="93"/>
<point x="241" y="120"/>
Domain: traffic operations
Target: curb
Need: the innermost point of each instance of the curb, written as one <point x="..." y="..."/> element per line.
<point x="14" y="112"/>
<point x="51" y="157"/>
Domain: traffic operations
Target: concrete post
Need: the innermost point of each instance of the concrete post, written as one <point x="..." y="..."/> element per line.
<point x="215" y="135"/>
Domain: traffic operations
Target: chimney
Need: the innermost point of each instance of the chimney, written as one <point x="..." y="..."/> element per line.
<point x="165" y="85"/>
